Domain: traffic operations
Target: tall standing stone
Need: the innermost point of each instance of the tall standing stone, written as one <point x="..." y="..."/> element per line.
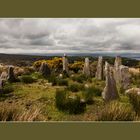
<point x="11" y="75"/>
<point x="44" y="69"/>
<point x="117" y="64"/>
<point x="65" y="64"/>
<point x="99" y="72"/>
<point x="110" y="91"/>
<point x="86" y="69"/>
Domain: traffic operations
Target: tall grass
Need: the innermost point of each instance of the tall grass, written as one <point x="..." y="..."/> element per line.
<point x="116" y="111"/>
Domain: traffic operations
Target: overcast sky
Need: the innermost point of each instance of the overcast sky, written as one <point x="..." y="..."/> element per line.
<point x="69" y="35"/>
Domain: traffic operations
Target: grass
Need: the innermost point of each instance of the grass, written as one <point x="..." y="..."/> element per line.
<point x="40" y="95"/>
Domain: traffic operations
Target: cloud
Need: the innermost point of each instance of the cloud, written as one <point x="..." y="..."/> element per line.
<point x="76" y="35"/>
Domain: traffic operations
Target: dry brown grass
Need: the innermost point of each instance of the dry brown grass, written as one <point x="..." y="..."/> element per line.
<point x="11" y="112"/>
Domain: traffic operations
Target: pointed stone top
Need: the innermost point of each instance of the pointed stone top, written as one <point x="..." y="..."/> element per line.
<point x="65" y="55"/>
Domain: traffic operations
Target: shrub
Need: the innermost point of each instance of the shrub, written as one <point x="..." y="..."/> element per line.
<point x="79" y="78"/>
<point x="37" y="75"/>
<point x="76" y="66"/>
<point x="116" y="111"/>
<point x="70" y="105"/>
<point x="27" y="79"/>
<point x="75" y="87"/>
<point x="52" y="79"/>
<point x="62" y="82"/>
<point x="88" y="94"/>
<point x="135" y="101"/>
<point x="60" y="99"/>
<point x="8" y="88"/>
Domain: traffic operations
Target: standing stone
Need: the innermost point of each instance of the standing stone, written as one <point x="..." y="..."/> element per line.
<point x="117" y="64"/>
<point x="1" y="86"/>
<point x="110" y="91"/>
<point x="11" y="75"/>
<point x="65" y="64"/>
<point x="99" y="72"/>
<point x="124" y="77"/>
<point x="86" y="69"/>
<point x="44" y="69"/>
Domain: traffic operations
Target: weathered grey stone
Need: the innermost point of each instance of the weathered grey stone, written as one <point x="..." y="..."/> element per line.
<point x="44" y="69"/>
<point x="99" y="72"/>
<point x="133" y="90"/>
<point x="124" y="77"/>
<point x="110" y="91"/>
<point x="4" y="75"/>
<point x="1" y="86"/>
<point x="11" y="75"/>
<point x="117" y="64"/>
<point x="65" y="64"/>
<point x="86" y="69"/>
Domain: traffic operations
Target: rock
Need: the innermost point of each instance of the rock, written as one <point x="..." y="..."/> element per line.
<point x="11" y="75"/>
<point x="110" y="91"/>
<point x="99" y="72"/>
<point x="65" y="64"/>
<point x="117" y="64"/>
<point x="86" y="69"/>
<point x="133" y="90"/>
<point x="44" y="69"/>
<point x="4" y="75"/>
<point x="124" y="77"/>
<point x="1" y="86"/>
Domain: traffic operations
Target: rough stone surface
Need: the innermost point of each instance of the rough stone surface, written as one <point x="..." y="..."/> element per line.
<point x="124" y="77"/>
<point x="110" y="91"/>
<point x="11" y="75"/>
<point x="1" y="86"/>
<point x="99" y="72"/>
<point x="86" y="69"/>
<point x="4" y="75"/>
<point x="65" y="64"/>
<point x="117" y="64"/>
<point x="44" y="69"/>
<point x="133" y="90"/>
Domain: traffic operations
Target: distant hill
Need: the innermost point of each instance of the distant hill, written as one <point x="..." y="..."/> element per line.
<point x="28" y="59"/>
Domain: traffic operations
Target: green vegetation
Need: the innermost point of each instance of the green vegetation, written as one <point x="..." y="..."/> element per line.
<point x="116" y="111"/>
<point x="27" y="79"/>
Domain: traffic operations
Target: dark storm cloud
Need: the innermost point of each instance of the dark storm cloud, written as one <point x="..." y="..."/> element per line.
<point x="52" y="35"/>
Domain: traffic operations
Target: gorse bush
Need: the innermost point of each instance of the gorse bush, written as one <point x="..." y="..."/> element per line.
<point x="75" y="87"/>
<point x="70" y="105"/>
<point x="27" y="79"/>
<point x="116" y="111"/>
<point x="135" y="101"/>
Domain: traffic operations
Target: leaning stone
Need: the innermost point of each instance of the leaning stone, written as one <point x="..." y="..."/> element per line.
<point x="110" y="91"/>
<point x="99" y="72"/>
<point x="44" y="69"/>
<point x="11" y="75"/>
<point x="86" y="69"/>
